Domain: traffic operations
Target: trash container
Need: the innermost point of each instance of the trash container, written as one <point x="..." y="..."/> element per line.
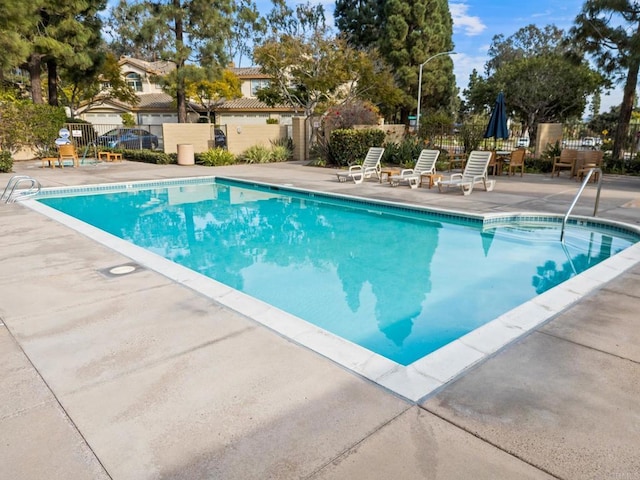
<point x="185" y="154"/>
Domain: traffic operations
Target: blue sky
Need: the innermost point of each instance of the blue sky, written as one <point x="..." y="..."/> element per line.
<point x="475" y="22"/>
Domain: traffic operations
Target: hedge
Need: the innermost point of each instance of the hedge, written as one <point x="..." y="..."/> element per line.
<point x="349" y="146"/>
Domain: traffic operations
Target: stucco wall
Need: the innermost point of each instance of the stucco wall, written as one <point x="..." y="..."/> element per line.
<point x="241" y="137"/>
<point x="548" y="133"/>
<point x="196" y="134"/>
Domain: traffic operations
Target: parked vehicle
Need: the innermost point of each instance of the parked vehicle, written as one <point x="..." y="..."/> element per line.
<point x="588" y="142"/>
<point x="130" y="138"/>
<point x="523" y="142"/>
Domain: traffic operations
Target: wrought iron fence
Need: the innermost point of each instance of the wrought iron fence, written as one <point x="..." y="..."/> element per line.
<point x="466" y="137"/>
<point x="113" y="135"/>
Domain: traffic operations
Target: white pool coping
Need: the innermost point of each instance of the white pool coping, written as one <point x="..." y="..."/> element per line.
<point x="413" y="382"/>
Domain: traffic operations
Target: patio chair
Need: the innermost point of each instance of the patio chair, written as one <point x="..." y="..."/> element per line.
<point x="566" y="160"/>
<point x="370" y="166"/>
<point x="475" y="171"/>
<point x="493" y="164"/>
<point x="426" y="164"/>
<point x="516" y="160"/>
<point x="456" y="159"/>
<point x="68" y="152"/>
<point x="593" y="160"/>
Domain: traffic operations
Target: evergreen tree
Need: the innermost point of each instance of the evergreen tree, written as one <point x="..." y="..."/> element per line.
<point x="406" y="33"/>
<point x="52" y="33"/>
<point x="18" y="17"/>
<point x="610" y="30"/>
<point x="179" y="31"/>
<point x="412" y="32"/>
<point x="360" y="21"/>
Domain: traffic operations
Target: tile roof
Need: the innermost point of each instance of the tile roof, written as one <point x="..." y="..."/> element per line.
<point x="161" y="67"/>
<point x="250" y="104"/>
<point x="249" y="72"/>
<point x="154" y="100"/>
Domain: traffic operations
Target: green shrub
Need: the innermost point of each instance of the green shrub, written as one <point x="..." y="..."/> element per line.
<point x="280" y="153"/>
<point x="145" y="156"/>
<point x="6" y="161"/>
<point x="257" y="154"/>
<point x="128" y="120"/>
<point x="25" y="124"/>
<point x="472" y="136"/>
<point x="435" y="124"/>
<point x="538" y="165"/>
<point x="552" y="151"/>
<point x="348" y="146"/>
<point x="216" y="157"/>
<point x="272" y="121"/>
<point x="44" y="123"/>
<point x="404" y="153"/>
<point x="283" y="142"/>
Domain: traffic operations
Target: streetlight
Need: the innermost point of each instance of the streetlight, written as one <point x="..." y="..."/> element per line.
<point x="420" y="84"/>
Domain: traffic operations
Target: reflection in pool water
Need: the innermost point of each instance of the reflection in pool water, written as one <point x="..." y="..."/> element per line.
<point x="399" y="283"/>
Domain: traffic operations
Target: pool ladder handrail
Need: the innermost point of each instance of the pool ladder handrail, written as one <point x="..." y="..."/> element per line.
<point x="11" y="195"/>
<point x="575" y="200"/>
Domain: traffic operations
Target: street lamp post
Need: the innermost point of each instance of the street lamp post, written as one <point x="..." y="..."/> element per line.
<point x="420" y="84"/>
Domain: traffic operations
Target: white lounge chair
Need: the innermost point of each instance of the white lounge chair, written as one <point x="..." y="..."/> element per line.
<point x="426" y="163"/>
<point x="475" y="171"/>
<point x="370" y="166"/>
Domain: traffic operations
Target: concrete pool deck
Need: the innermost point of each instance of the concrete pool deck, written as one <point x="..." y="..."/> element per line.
<point x="140" y="377"/>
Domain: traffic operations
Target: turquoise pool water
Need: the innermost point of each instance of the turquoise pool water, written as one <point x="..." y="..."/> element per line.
<point x="399" y="282"/>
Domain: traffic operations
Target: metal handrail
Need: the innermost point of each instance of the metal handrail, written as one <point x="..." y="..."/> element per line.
<point x="575" y="200"/>
<point x="31" y="191"/>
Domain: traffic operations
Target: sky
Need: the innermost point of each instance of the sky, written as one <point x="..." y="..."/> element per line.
<point x="475" y="22"/>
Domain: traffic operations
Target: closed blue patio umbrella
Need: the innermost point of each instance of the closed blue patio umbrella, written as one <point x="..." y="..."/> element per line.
<point x="497" y="127"/>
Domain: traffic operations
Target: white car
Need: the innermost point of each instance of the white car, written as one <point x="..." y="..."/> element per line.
<point x="588" y="142"/>
<point x="522" y="142"/>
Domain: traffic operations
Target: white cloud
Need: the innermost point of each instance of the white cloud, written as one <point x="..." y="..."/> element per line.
<point x="546" y="13"/>
<point x="464" y="64"/>
<point x="471" y="25"/>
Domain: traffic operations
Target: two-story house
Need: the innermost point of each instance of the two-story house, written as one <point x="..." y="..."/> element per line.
<point x="156" y="107"/>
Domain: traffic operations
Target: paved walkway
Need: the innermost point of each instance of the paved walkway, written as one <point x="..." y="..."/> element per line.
<point x="138" y="377"/>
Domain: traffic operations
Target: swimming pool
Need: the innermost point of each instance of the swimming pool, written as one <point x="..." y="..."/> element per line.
<point x="393" y="279"/>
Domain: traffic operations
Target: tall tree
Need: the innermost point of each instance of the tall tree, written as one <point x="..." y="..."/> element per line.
<point x="542" y="76"/>
<point x="18" y="18"/>
<point x="52" y="33"/>
<point x="407" y="33"/>
<point x="610" y="31"/>
<point x="360" y="21"/>
<point x="529" y="41"/>
<point x="311" y="69"/>
<point x="180" y="31"/>
<point x="74" y="30"/>
<point x="247" y="29"/>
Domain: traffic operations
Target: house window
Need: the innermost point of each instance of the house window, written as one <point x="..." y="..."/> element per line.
<point x="134" y="81"/>
<point x="257" y="85"/>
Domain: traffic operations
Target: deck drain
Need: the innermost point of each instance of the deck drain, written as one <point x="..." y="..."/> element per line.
<point x="120" y="270"/>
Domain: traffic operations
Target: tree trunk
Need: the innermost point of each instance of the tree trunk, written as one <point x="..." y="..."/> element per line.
<point x="628" y="100"/>
<point x="34" y="66"/>
<point x="52" y="79"/>
<point x="181" y="97"/>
